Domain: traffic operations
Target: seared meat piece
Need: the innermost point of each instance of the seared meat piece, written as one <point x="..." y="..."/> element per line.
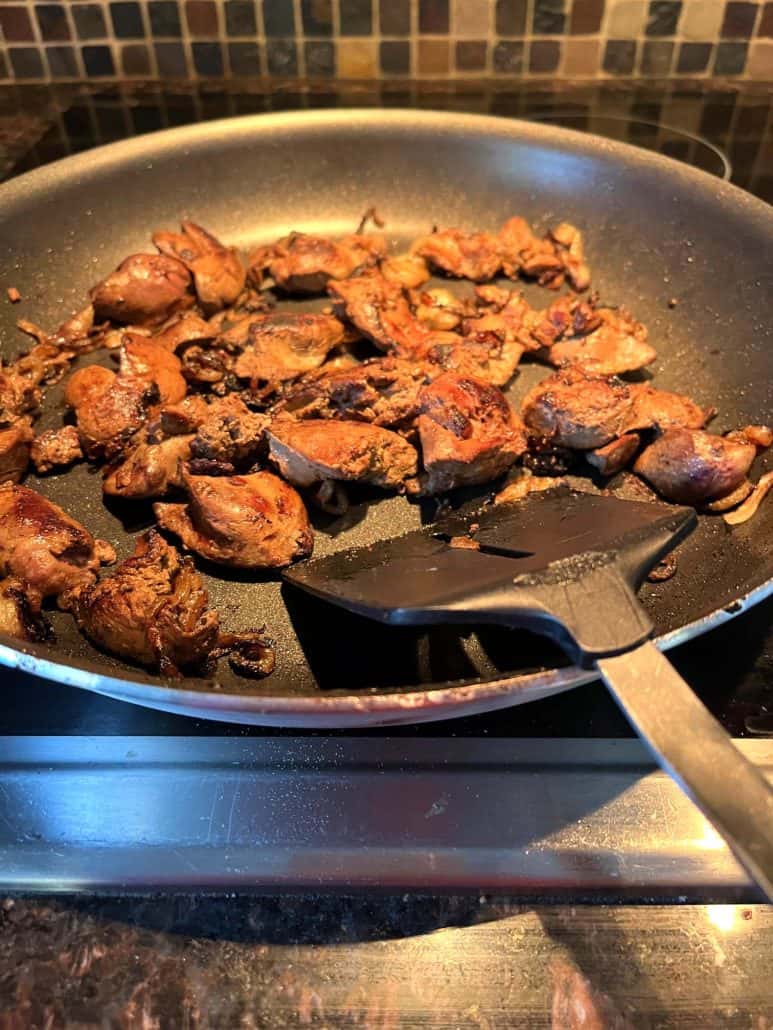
<point x="313" y="450"/>
<point x="577" y="409"/>
<point x="149" y="470"/>
<point x="56" y="448"/>
<point x="406" y="270"/>
<point x="109" y="408"/>
<point x="185" y="417"/>
<point x="301" y="263"/>
<point x="186" y="328"/>
<point x="152" y="609"/>
<point x="473" y="255"/>
<point x="18" y="618"/>
<point x="282" y="346"/>
<point x="145" y="289"/>
<point x="468" y="431"/>
<point x="522" y="251"/>
<point x="440" y="309"/>
<point x="549" y="260"/>
<point x="383" y="391"/>
<point x="19" y="395"/>
<point x="380" y="310"/>
<point x="618" y="345"/>
<point x="146" y="360"/>
<point x="43" y="547"/>
<point x="568" y="316"/>
<point x="502" y="312"/>
<point x="572" y="252"/>
<point x="205" y="365"/>
<point x="525" y="483"/>
<point x="252" y="522"/>
<point x="217" y="271"/>
<point x="615" y="455"/>
<point x="690" y="466"/>
<point x="15" y="444"/>
<point x="663" y="409"/>
<point x="230" y="433"/>
<point x="489" y="356"/>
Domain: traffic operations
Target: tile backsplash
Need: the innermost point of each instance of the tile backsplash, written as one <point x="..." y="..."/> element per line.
<point x="385" y="39"/>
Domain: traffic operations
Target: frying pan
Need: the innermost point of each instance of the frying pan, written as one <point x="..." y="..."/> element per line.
<point x="655" y="231"/>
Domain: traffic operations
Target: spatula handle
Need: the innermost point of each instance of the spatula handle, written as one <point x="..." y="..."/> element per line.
<point x="692" y="746"/>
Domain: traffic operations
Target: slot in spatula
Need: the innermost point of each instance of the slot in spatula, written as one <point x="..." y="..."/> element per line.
<point x="567" y="564"/>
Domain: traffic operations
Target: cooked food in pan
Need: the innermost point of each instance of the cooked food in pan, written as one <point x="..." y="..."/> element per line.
<point x="235" y="418"/>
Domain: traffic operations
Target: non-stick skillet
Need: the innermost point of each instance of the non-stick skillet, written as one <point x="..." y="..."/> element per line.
<point x="656" y="231"/>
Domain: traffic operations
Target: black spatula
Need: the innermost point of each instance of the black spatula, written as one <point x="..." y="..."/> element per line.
<point x="568" y="565"/>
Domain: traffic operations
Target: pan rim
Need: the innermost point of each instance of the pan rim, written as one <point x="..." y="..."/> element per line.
<point x="442" y="700"/>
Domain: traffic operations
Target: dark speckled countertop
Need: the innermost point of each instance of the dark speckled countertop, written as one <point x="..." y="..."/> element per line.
<point x="386" y="961"/>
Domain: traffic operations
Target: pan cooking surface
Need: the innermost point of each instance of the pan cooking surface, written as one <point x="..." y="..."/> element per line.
<point x="654" y="231"/>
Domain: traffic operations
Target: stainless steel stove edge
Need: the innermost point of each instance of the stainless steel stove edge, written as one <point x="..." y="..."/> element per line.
<point x="551" y="818"/>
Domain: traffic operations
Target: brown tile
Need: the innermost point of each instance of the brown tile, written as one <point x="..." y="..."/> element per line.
<point x="471" y="55"/>
<point x="434" y="16"/>
<point x="395" y="18"/>
<point x="201" y="16"/>
<point x="765" y="27"/>
<point x="395" y="56"/>
<point x="52" y="21"/>
<point x="469" y="17"/>
<point x="433" y="57"/>
<point x="544" y="56"/>
<point x="357" y="59"/>
<point x="586" y="17"/>
<point x="135" y="59"/>
<point x="15" y="23"/>
<point x="582" y="57"/>
<point x="739" y="20"/>
<point x="759" y="64"/>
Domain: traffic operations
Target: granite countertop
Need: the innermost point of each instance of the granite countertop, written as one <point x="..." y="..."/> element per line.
<point x="380" y="961"/>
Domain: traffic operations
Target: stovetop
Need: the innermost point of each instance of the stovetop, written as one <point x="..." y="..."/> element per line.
<point x="726" y="132"/>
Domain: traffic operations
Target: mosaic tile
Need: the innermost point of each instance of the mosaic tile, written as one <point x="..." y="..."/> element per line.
<point x="89" y="21"/>
<point x="544" y="56"/>
<point x="765" y="27"/>
<point x="581" y="57"/>
<point x="135" y="59"/>
<point x="357" y="59"/>
<point x="278" y="18"/>
<point x="701" y="20"/>
<point x="240" y="19"/>
<point x="507" y="57"/>
<point x="208" y="59"/>
<point x="471" y="18"/>
<point x="656" y="57"/>
<point x="98" y="61"/>
<point x="434" y="16"/>
<point x="625" y="19"/>
<point x="15" y="24"/>
<point x="244" y="59"/>
<point x="52" y="21"/>
<point x="395" y="57"/>
<point x="730" y="58"/>
<point x="619" y="56"/>
<point x="433" y="57"/>
<point x="586" y="17"/>
<point x="127" y="20"/>
<point x="663" y="17"/>
<point x="471" y="55"/>
<point x="511" y="17"/>
<point x="320" y="58"/>
<point x="759" y="64"/>
<point x="356" y="17"/>
<point x="317" y="17"/>
<point x="739" y="20"/>
<point x="395" y="17"/>
<point x="693" y="58"/>
<point x="549" y="18"/>
<point x="282" y="57"/>
<point x="170" y="60"/>
<point x="201" y="17"/>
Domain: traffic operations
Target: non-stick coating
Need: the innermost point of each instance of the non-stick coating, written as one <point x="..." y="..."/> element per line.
<point x="655" y="230"/>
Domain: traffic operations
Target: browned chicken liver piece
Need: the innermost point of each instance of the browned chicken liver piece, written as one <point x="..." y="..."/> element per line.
<point x="283" y="346"/>
<point x="185" y="328"/>
<point x="313" y="451"/>
<point x="230" y="434"/>
<point x="568" y="316"/>
<point x="407" y="270"/>
<point x="17" y="615"/>
<point x="380" y="310"/>
<point x="523" y="252"/>
<point x="464" y="255"/>
<point x="152" y="609"/>
<point x="185" y="417"/>
<point x="145" y="359"/>
<point x="661" y="408"/>
<point x="43" y="547"/>
<point x="618" y="345"/>
<point x="255" y="521"/>
<point x="469" y="433"/>
<point x="690" y="466"/>
<point x="438" y="308"/>
<point x="490" y="356"/>
<point x="109" y="408"/>
<point x="571" y="250"/>
<point x="218" y="273"/>
<point x="303" y="263"/>
<point x="19" y="395"/>
<point x="144" y="290"/>
<point x="56" y="448"/>
<point x="383" y="391"/>
<point x="615" y="455"/>
<point x="149" y="470"/>
<point x="578" y="409"/>
<point x="15" y="446"/>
